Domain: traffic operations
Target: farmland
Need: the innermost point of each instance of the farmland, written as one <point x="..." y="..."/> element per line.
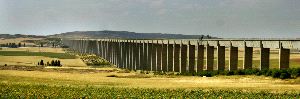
<point x="93" y="83"/>
<point x="79" y="78"/>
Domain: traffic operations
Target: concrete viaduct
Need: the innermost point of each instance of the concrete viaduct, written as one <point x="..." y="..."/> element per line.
<point x="184" y="55"/>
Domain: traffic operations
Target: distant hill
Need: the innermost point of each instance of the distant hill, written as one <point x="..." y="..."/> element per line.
<point x="10" y="36"/>
<point x="125" y="35"/>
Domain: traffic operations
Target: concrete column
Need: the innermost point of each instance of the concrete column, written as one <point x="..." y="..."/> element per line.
<point x="100" y="48"/>
<point x="191" y="58"/>
<point x="264" y="57"/>
<point x="209" y="58"/>
<point x="141" y="66"/>
<point x="248" y="54"/>
<point x="200" y="57"/>
<point x="127" y="55"/>
<point x="123" y="59"/>
<point x="220" y="57"/>
<point x="136" y="51"/>
<point x="153" y="57"/>
<point x="158" y="56"/>
<point x="170" y="56"/>
<point x="183" y="59"/>
<point x="145" y="56"/>
<point x="284" y="58"/>
<point x="233" y="58"/>
<point x="176" y="57"/>
<point x="149" y="54"/>
<point x="164" y="57"/>
<point x="133" y="55"/>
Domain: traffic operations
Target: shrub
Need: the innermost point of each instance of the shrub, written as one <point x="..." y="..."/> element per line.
<point x="276" y="73"/>
<point x="111" y="76"/>
<point x="239" y="72"/>
<point x="284" y="76"/>
<point x="295" y="72"/>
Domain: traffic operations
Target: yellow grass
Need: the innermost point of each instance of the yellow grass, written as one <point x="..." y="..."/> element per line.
<point x="36" y="49"/>
<point x="32" y="61"/>
<point x="18" y="40"/>
<point x="100" y="79"/>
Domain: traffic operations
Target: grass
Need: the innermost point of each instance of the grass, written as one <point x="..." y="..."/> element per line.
<point x="46" y="54"/>
<point x="46" y="91"/>
<point x="76" y="83"/>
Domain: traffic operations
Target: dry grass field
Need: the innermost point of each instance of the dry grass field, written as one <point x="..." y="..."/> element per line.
<point x="23" y="71"/>
<point x="18" y="40"/>
<point x="33" y="60"/>
<point x="100" y="78"/>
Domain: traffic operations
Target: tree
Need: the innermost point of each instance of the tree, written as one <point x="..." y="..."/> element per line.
<point x="19" y="45"/>
<point x="52" y="63"/>
<point x="42" y="62"/>
<point x="58" y="63"/>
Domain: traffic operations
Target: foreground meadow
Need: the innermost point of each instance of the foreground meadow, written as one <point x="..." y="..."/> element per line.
<point x="39" y="82"/>
<point x="22" y="78"/>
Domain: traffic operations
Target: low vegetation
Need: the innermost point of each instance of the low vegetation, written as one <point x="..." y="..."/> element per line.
<point x="275" y="73"/>
<point x="46" y="54"/>
<point x="46" y="91"/>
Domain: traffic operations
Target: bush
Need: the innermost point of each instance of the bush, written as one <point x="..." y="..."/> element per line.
<point x="239" y="72"/>
<point x="284" y="76"/>
<point x="295" y="72"/>
<point x="275" y="73"/>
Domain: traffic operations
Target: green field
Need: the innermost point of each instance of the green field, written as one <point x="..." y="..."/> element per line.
<point x="46" y="91"/>
<point x="46" y="54"/>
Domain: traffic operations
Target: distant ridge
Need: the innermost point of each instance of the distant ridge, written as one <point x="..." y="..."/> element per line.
<point x="11" y="36"/>
<point x="126" y="35"/>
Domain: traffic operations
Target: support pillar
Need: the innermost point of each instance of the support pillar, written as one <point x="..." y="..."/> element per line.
<point x="248" y="54"/>
<point x="233" y="58"/>
<point x="191" y="58"/>
<point x="164" y="57"/>
<point x="264" y="57"/>
<point x="200" y="57"/>
<point x="159" y="51"/>
<point x="220" y="57"/>
<point x="176" y="57"/>
<point x="149" y="54"/>
<point x="153" y="57"/>
<point x="183" y="59"/>
<point x="209" y="58"/>
<point x="170" y="57"/>
<point x="284" y="58"/>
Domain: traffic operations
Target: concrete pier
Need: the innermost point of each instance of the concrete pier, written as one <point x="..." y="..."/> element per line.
<point x="191" y="59"/>
<point x="164" y="57"/>
<point x="200" y="57"/>
<point x="153" y="57"/>
<point x="183" y="59"/>
<point x="209" y="58"/>
<point x="170" y="57"/>
<point x="284" y="58"/>
<point x="233" y="58"/>
<point x="158" y="56"/>
<point x="248" y="55"/>
<point x="220" y="57"/>
<point x="176" y="57"/>
<point x="264" y="58"/>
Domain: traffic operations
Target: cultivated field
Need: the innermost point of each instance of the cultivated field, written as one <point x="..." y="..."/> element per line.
<point x="66" y="82"/>
<point x="22" y="78"/>
<point x="30" y="56"/>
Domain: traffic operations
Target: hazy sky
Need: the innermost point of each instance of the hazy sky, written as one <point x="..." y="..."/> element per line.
<point x="221" y="18"/>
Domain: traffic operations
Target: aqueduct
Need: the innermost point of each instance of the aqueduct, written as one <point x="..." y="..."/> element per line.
<point x="184" y="55"/>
